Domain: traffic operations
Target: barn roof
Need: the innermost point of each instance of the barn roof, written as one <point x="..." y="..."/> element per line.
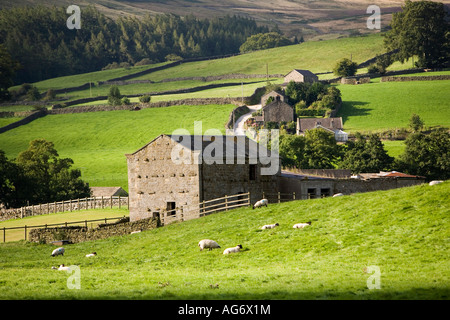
<point x="108" y="191"/>
<point x="303" y="72"/>
<point x="311" y="123"/>
<point x="232" y="146"/>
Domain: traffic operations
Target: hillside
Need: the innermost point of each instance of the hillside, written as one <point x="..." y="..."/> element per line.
<point x="404" y="232"/>
<point x="311" y="19"/>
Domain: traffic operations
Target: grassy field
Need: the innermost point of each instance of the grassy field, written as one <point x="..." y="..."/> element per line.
<point x="98" y="141"/>
<point x="53" y="218"/>
<point x="389" y="105"/>
<point x="404" y="232"/>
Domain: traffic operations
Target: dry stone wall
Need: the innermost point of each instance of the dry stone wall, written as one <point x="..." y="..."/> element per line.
<point x="77" y="234"/>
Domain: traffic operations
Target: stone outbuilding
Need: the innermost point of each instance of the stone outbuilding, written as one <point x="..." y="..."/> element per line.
<point x="172" y="175"/>
<point x="298" y="75"/>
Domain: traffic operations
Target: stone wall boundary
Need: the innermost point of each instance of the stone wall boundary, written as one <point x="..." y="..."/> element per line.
<point x="77" y="234"/>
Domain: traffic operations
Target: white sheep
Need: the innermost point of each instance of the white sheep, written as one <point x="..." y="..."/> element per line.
<point x="301" y="225"/>
<point x="435" y="182"/>
<point x="63" y="268"/>
<point x="233" y="250"/>
<point x="260" y="203"/>
<point x="206" y="243"/>
<point x="269" y="226"/>
<point x="93" y="254"/>
<point x="338" y="195"/>
<point x="58" y="251"/>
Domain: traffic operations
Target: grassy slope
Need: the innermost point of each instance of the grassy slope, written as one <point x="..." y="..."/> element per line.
<point x="98" y="141"/>
<point x="389" y="105"/>
<point x="404" y="232"/>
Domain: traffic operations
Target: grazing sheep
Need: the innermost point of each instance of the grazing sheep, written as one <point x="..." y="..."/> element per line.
<point x="260" y="203"/>
<point x="338" y="195"/>
<point x="210" y="244"/>
<point x="233" y="250"/>
<point x="301" y="225"/>
<point x="269" y="226"/>
<point x="58" y="251"/>
<point x="93" y="254"/>
<point x="435" y="182"/>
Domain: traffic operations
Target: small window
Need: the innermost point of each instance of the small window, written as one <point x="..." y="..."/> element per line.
<point x="324" y="193"/>
<point x="171" y="208"/>
<point x="252" y="172"/>
<point x="311" y="193"/>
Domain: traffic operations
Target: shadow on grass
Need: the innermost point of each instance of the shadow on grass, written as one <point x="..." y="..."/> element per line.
<point x="353" y="109"/>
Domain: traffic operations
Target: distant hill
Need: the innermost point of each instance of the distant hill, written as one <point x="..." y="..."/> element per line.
<point x="311" y="19"/>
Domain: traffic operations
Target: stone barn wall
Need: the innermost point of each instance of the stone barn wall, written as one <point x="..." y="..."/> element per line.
<point x="155" y="181"/>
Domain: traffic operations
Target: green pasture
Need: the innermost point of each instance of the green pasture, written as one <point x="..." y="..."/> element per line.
<point x="402" y="232"/>
<point x="389" y="105"/>
<point x="58" y="218"/>
<point x="98" y="141"/>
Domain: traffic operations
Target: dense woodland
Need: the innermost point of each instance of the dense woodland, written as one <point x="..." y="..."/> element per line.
<point x="38" y="38"/>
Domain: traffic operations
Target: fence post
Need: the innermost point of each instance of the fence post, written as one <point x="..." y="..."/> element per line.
<point x="249" y="204"/>
<point x="226" y="203"/>
<point x="128" y="202"/>
<point x="85" y="223"/>
<point x="25" y="232"/>
<point x="4" y="234"/>
<point x="110" y="203"/>
<point x="54" y="207"/>
<point x="62" y="202"/>
<point x="278" y="196"/>
<point x="102" y="202"/>
<point x="293" y="195"/>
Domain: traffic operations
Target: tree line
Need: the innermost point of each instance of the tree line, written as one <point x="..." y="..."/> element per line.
<point x="38" y="39"/>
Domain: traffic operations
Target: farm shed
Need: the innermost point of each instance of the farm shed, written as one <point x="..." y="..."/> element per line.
<point x="298" y="75"/>
<point x="172" y="174"/>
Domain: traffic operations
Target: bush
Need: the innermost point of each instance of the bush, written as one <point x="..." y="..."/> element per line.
<point x="114" y="96"/>
<point x="125" y="101"/>
<point x="345" y="68"/>
<point x="144" y="62"/>
<point x="33" y="94"/>
<point x="145" y="99"/>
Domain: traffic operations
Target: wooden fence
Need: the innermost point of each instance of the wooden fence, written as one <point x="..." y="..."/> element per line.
<point x="64" y="224"/>
<point x="224" y="204"/>
<point x="62" y="206"/>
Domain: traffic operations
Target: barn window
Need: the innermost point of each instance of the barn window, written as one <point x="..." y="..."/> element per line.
<point x="252" y="172"/>
<point x="324" y="193"/>
<point x="171" y="208"/>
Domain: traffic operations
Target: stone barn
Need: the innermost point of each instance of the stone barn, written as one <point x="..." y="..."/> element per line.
<point x="298" y="75"/>
<point x="277" y="111"/>
<point x="173" y="174"/>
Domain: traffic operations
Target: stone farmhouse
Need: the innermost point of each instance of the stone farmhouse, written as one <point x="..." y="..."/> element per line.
<point x="176" y="173"/>
<point x="298" y="75"/>
<point x="333" y="125"/>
